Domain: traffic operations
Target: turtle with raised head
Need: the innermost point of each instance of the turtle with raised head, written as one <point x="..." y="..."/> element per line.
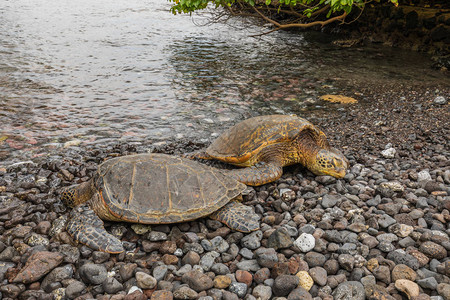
<point x="152" y="189"/>
<point x="264" y="145"/>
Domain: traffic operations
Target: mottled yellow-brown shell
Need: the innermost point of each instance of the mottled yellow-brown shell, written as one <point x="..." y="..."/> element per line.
<point x="246" y="139"/>
<point x="160" y="189"/>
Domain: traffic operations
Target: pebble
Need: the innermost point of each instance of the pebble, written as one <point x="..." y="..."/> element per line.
<point x="112" y="286"/>
<point x="184" y="292"/>
<point x="400" y="257"/>
<point x="279" y="239"/>
<point x="401" y="271"/>
<point x="92" y="273"/>
<point x="145" y="281"/>
<point x="262" y="292"/>
<point x="266" y="257"/>
<point x="238" y="288"/>
<point x="304" y="280"/>
<point x="38" y="265"/>
<point x="388" y="153"/>
<point x="197" y="281"/>
<point x="319" y="275"/>
<point x="349" y="290"/>
<point x="284" y="284"/>
<point x="252" y="241"/>
<point x="433" y="250"/>
<point x="305" y="242"/>
<point x="222" y="281"/>
<point x="444" y="290"/>
<point x="428" y="283"/>
<point x="75" y="289"/>
<point x="440" y="100"/>
<point x="408" y="287"/>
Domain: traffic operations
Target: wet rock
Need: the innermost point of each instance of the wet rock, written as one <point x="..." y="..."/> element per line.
<point x="145" y="281"/>
<point x="349" y="290"/>
<point x="92" y="273"/>
<point x="197" y="281"/>
<point x="284" y="284"/>
<point x="38" y="265"/>
<point x="408" y="287"/>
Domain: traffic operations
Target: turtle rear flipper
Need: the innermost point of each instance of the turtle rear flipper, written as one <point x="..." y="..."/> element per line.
<point x="237" y="216"/>
<point x="258" y="174"/>
<point x="87" y="228"/>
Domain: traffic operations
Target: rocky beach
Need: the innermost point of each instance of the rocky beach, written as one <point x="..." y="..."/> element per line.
<point x="381" y="232"/>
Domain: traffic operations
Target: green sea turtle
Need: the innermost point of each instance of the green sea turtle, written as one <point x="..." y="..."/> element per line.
<point x="152" y="189"/>
<point x="265" y="144"/>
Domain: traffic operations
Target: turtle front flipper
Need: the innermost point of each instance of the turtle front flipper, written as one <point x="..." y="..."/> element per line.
<point x="237" y="216"/>
<point x="258" y="174"/>
<point x="87" y="228"/>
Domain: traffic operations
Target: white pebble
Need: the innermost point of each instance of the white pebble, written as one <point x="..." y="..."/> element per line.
<point x="388" y="153"/>
<point x="423" y="176"/>
<point x="305" y="242"/>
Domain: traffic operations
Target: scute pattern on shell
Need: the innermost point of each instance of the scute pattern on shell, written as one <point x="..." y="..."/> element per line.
<point x="161" y="189"/>
<point x="242" y="141"/>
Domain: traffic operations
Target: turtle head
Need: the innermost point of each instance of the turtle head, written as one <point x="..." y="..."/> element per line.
<point x="76" y="194"/>
<point x="329" y="162"/>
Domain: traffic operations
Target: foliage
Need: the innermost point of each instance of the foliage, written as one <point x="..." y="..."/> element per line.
<point x="305" y="11"/>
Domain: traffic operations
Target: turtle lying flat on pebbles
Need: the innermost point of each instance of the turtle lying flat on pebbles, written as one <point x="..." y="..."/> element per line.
<point x="153" y="189"/>
<point x="265" y="144"/>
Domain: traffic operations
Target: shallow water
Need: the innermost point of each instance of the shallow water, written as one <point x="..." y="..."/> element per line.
<point x="98" y="72"/>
